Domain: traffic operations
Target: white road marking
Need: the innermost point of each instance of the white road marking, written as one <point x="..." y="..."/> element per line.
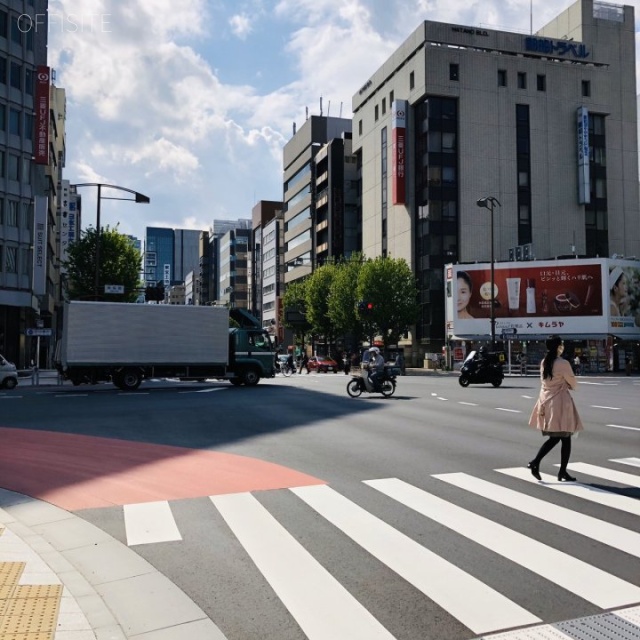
<point x="620" y="426"/>
<point x="597" y="406"/>
<point x="150" y="522"/>
<point x="606" y="474"/>
<point x="590" y="583"/>
<point x="70" y="395"/>
<point x="528" y="397"/>
<point x="466" y="598"/>
<point x="599" y="384"/>
<point x="586" y="492"/>
<point x="10" y="397"/>
<point x="439" y="398"/>
<point x="203" y="390"/>
<point x="469" y="404"/>
<point x="634" y="462"/>
<point x="509" y="410"/>
<point x="604" y="532"/>
<point x="318" y="602"/>
<point x="133" y="393"/>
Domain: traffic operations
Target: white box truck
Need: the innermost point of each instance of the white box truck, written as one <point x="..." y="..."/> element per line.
<point x="126" y="343"/>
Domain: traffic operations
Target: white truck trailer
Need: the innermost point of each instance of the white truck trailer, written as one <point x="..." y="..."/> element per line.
<point x="126" y="343"/>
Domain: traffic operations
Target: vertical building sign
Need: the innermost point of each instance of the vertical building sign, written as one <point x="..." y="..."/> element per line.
<point x="63" y="214"/>
<point x="167" y="275"/>
<point x="40" y="246"/>
<point x="583" y="155"/>
<point x="41" y="150"/>
<point x="398" y="153"/>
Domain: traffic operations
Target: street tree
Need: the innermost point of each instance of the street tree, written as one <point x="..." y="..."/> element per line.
<point x="343" y="299"/>
<point x="389" y="286"/>
<point x="294" y="303"/>
<point x="318" y="294"/>
<point x="119" y="265"/>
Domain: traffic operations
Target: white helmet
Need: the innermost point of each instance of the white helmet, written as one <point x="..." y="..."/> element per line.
<point x="374" y="350"/>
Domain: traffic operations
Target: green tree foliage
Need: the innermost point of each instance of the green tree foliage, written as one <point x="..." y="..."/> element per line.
<point x="295" y="299"/>
<point x="119" y="265"/>
<point x="391" y="287"/>
<point x="343" y="298"/>
<point x="318" y="294"/>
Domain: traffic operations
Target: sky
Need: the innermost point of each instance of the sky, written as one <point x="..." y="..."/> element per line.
<point x="192" y="106"/>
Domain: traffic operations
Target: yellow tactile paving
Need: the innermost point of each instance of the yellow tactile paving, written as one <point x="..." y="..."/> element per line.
<point x="10" y="573"/>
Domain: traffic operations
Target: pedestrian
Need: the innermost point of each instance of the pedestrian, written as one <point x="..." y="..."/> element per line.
<point x="399" y="362"/>
<point x="304" y="362"/>
<point x="346" y="362"/>
<point x="577" y="364"/>
<point x="628" y="366"/>
<point x="555" y="413"/>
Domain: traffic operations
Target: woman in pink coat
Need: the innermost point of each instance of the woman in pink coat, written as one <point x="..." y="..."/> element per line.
<point x="554" y="413"/>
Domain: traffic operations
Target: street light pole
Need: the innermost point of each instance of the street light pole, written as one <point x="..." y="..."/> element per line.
<point x="138" y="198"/>
<point x="489" y="203"/>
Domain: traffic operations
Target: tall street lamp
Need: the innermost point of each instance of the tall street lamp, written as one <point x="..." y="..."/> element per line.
<point x="137" y="197"/>
<point x="490" y="202"/>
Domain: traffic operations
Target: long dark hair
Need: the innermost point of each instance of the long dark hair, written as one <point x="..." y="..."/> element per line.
<point x="550" y="357"/>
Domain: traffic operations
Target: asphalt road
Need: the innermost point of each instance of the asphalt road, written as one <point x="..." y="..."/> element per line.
<point x="403" y="528"/>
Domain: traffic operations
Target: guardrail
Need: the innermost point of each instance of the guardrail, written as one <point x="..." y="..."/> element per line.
<point x="38" y="377"/>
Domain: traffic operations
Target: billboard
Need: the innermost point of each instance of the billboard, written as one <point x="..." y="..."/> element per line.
<point x="623" y="290"/>
<point x="41" y="139"/>
<point x="398" y="151"/>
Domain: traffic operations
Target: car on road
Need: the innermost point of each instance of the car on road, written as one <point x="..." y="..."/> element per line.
<point x="322" y="364"/>
<point x="8" y="374"/>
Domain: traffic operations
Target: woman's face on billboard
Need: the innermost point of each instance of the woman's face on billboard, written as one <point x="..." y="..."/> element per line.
<point x="464" y="294"/>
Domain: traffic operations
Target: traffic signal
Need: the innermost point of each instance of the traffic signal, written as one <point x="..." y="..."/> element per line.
<point x="369" y="308"/>
<point x="362" y="306"/>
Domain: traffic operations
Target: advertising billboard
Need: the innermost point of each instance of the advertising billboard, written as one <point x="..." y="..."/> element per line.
<point x="398" y="151"/>
<point x="538" y="297"/>
<point x="623" y="290"/>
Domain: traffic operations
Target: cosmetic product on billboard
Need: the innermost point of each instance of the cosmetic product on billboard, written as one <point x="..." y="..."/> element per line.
<point x="531" y="295"/>
<point x="588" y="296"/>
<point x="513" y="293"/>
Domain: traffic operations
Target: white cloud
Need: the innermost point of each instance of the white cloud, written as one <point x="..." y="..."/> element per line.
<point x="240" y="25"/>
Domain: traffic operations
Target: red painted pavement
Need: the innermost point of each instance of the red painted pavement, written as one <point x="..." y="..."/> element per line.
<point x="81" y="472"/>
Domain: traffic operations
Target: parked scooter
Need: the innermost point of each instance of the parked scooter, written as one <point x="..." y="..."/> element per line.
<point x="477" y="370"/>
<point x="361" y="383"/>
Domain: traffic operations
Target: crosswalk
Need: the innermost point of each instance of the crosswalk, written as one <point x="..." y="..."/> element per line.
<point x="534" y="569"/>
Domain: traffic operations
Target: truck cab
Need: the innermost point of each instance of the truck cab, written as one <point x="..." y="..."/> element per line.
<point x="8" y="374"/>
<point x="250" y="352"/>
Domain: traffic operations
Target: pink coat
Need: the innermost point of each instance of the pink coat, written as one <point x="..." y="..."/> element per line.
<point x="555" y="410"/>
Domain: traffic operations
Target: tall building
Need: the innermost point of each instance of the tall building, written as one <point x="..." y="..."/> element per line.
<point x="234" y="268"/>
<point x="300" y="193"/>
<point x="545" y="124"/>
<point x="29" y="164"/>
<point x="186" y="252"/>
<point x="159" y="256"/>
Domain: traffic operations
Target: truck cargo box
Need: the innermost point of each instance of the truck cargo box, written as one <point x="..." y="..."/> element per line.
<point x="111" y="333"/>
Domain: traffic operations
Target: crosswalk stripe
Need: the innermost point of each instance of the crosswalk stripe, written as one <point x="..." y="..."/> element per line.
<point x="319" y="603"/>
<point x="599" y="530"/>
<point x="150" y="522"/>
<point x="606" y="474"/>
<point x="586" y="492"/>
<point x="634" y="462"/>
<point x="475" y="604"/>
<point x="592" y="584"/>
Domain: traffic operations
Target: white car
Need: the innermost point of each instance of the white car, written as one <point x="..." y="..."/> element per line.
<point x="8" y="374"/>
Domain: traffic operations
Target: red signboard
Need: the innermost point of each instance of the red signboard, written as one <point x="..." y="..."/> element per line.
<point x="41" y="138"/>
<point x="398" y="151"/>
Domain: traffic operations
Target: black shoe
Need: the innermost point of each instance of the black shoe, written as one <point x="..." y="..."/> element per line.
<point x="535" y="470"/>
<point x="563" y="476"/>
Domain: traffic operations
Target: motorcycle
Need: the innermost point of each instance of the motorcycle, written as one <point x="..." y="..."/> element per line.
<point x="478" y="371"/>
<point x="361" y="383"/>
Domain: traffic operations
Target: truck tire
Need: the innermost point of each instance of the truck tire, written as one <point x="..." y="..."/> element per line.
<point x="236" y="382"/>
<point x="130" y="379"/>
<point x="251" y="377"/>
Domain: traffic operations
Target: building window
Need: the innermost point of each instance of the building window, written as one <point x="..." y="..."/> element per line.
<point x="453" y="72"/>
<point x="28" y="81"/>
<point x="4" y="23"/>
<point x="3" y="117"/>
<point x="586" y="88"/>
<point x="412" y="80"/>
<point x="25" y="216"/>
<point x="10" y="263"/>
<point x="376" y="116"/>
<point x="15" y="76"/>
<point x="1" y="221"/>
<point x="12" y="213"/>
<point x="1" y="164"/>
<point x="3" y="70"/>
<point x="14" y="121"/>
<point x="502" y="77"/>
<point x="28" y="126"/>
<point x="13" y="168"/>
<point x="523" y="168"/>
<point x="391" y="99"/>
<point x="359" y="127"/>
<point x="522" y="80"/>
<point x="16" y="31"/>
<point x="384" y="106"/>
<point x="542" y="82"/>
<point x="26" y="170"/>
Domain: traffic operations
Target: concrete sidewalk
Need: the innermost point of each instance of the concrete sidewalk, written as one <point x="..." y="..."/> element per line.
<point x="62" y="578"/>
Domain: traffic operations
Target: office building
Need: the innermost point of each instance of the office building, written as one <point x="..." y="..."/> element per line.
<point x="545" y="124"/>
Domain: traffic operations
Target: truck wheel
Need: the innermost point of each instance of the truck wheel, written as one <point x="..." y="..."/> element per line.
<point x="130" y="380"/>
<point x="10" y="383"/>
<point x="251" y="377"/>
<point x="236" y="382"/>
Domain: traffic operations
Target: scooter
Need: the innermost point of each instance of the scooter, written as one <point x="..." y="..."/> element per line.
<point x="474" y="371"/>
<point x="361" y="383"/>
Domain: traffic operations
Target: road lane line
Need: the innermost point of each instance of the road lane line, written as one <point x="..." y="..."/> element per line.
<point x="634" y="462"/>
<point x="203" y="390"/>
<point x="590" y="583"/>
<point x="620" y="426"/>
<point x="597" y="406"/>
<point x="469" y="404"/>
<point x="607" y="474"/>
<point x="150" y="522"/>
<point x="579" y="490"/>
<point x="466" y="598"/>
<point x="509" y="410"/>
<point x="599" y="384"/>
<point x="599" y="530"/>
<point x="70" y="395"/>
<point x="318" y="602"/>
<point x="439" y="398"/>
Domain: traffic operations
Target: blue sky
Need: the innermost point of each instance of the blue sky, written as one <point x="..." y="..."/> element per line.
<point x="193" y="105"/>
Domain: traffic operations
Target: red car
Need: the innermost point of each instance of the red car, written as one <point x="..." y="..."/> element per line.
<point x="322" y="364"/>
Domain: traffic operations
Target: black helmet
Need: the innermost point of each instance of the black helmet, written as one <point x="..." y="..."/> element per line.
<point x="483" y="351"/>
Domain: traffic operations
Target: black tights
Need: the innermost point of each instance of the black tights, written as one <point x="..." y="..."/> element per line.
<point x="565" y="452"/>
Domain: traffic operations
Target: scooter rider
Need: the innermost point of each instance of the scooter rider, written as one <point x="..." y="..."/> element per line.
<point x="376" y="367"/>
